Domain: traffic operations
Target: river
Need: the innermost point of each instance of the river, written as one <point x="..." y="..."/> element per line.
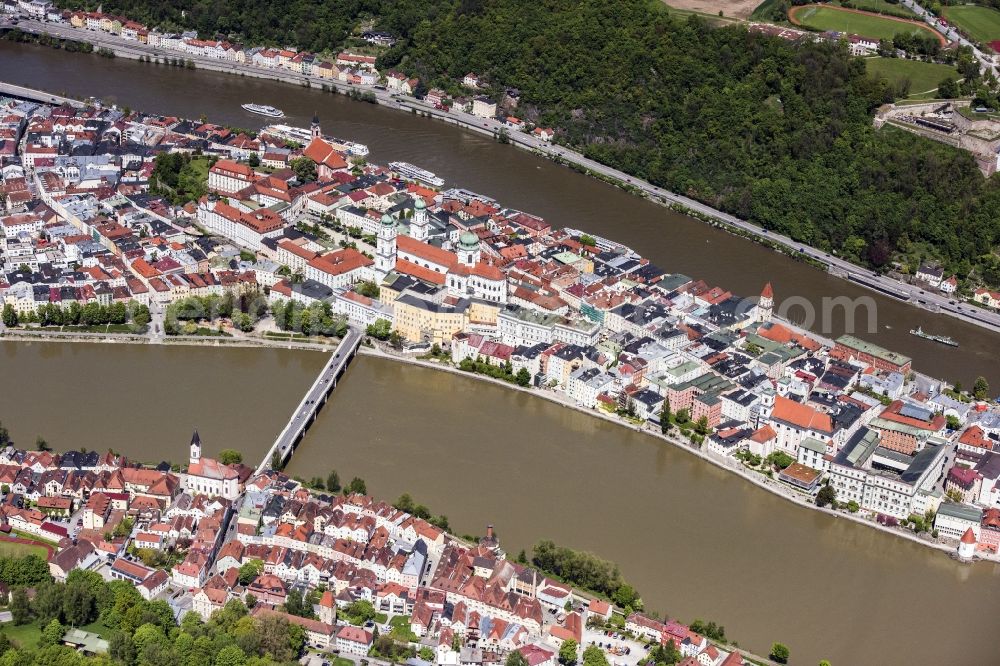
<point x="516" y="178"/>
<point x="697" y="541"/>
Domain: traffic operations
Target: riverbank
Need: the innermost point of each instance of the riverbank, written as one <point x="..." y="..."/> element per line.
<point x="730" y="465"/>
<point x="903" y="292"/>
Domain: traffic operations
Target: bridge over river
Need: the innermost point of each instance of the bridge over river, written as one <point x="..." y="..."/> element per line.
<point x="313" y="401"/>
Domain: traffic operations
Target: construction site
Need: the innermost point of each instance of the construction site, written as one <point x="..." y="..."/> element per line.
<point x="955" y="123"/>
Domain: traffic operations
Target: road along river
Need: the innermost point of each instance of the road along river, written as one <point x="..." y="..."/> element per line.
<point x="518" y="179"/>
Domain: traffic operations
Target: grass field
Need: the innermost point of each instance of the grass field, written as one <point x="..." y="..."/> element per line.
<point x="25" y="635"/>
<point x="923" y="76"/>
<point x="765" y="11"/>
<point x="883" y="7"/>
<point x="981" y="23"/>
<point x="820" y="17"/>
<point x="11" y="549"/>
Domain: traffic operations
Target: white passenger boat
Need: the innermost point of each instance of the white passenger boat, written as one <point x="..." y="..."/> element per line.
<point x="411" y="172"/>
<point x="264" y="110"/>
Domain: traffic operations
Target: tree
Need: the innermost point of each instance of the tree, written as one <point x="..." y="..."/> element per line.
<point x="141" y="316"/>
<point x="665" y="654"/>
<point x="515" y="658"/>
<point x="278" y="638"/>
<point x="523" y="377"/>
<point x="304" y="168"/>
<point x="948" y="88"/>
<point x="333" y="482"/>
<point x="981" y="388"/>
<point x="588" y="240"/>
<point x="567" y="653"/>
<point x="826" y="495"/>
<point x="404" y="503"/>
<point x="665" y="424"/>
<point x="78" y="603"/>
<point x="52" y="634"/>
<point x="594" y="656"/>
<point x="230" y="457"/>
<point x="296" y="605"/>
<point x="253" y="160"/>
<point x="425" y="653"/>
<point x="779" y="653"/>
<point x="10" y="319"/>
<point x="380" y="330"/>
<point x="359" y="612"/>
<point x="41" y="444"/>
<point x="20" y="609"/>
<point x="626" y="596"/>
<point x="250" y="570"/>
<point x="357" y="485"/>
<point x="368" y="288"/>
<point x="48" y="602"/>
<point x="121" y="648"/>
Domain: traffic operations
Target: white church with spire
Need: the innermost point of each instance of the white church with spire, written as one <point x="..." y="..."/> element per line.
<point x="206" y="476"/>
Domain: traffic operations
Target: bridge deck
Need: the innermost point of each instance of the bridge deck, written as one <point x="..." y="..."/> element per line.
<point x="314" y="399"/>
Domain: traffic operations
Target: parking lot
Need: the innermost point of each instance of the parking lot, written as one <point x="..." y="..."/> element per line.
<point x="620" y="650"/>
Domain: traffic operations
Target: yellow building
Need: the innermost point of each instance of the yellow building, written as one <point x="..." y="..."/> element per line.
<point x="418" y="319"/>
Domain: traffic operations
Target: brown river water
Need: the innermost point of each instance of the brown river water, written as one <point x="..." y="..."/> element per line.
<point x="697" y="541"/>
<point x="517" y="179"/>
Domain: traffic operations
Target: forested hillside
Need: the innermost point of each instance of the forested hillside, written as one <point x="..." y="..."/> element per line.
<point x="773" y="132"/>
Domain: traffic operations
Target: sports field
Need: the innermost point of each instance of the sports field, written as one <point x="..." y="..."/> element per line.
<point x="851" y="21"/>
<point x="923" y="76"/>
<point x="982" y="24"/>
<point x="883" y="7"/>
<point x="14" y="547"/>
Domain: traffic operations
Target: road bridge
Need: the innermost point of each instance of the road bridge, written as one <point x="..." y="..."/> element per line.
<point x="312" y="401"/>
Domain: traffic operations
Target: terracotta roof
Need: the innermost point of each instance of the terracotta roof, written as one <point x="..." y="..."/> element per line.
<point x="425" y="251"/>
<point x="801" y="416"/>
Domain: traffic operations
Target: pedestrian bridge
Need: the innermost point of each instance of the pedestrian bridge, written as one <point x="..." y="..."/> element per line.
<point x="312" y="402"/>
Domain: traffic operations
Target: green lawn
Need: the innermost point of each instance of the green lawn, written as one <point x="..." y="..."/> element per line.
<point x="342" y="661"/>
<point x="981" y="23"/>
<point x="883" y="7"/>
<point x="401" y="628"/>
<point x="26" y="635"/>
<point x="923" y="76"/>
<point x="98" y="628"/>
<point x="12" y="549"/>
<point x="765" y="11"/>
<point x="820" y="17"/>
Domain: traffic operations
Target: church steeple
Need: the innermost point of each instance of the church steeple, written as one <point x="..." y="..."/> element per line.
<point x="195" y="448"/>
<point x="765" y="305"/>
<point x="314" y="128"/>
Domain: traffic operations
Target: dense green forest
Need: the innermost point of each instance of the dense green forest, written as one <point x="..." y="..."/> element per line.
<point x="776" y="133"/>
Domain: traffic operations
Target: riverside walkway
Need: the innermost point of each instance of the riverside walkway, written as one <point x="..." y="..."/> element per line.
<point x="312" y="401"/>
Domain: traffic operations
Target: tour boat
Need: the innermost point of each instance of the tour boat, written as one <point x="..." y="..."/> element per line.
<point x="264" y="110"/>
<point x="943" y="339"/>
<point x="411" y="172"/>
<point x="304" y="136"/>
